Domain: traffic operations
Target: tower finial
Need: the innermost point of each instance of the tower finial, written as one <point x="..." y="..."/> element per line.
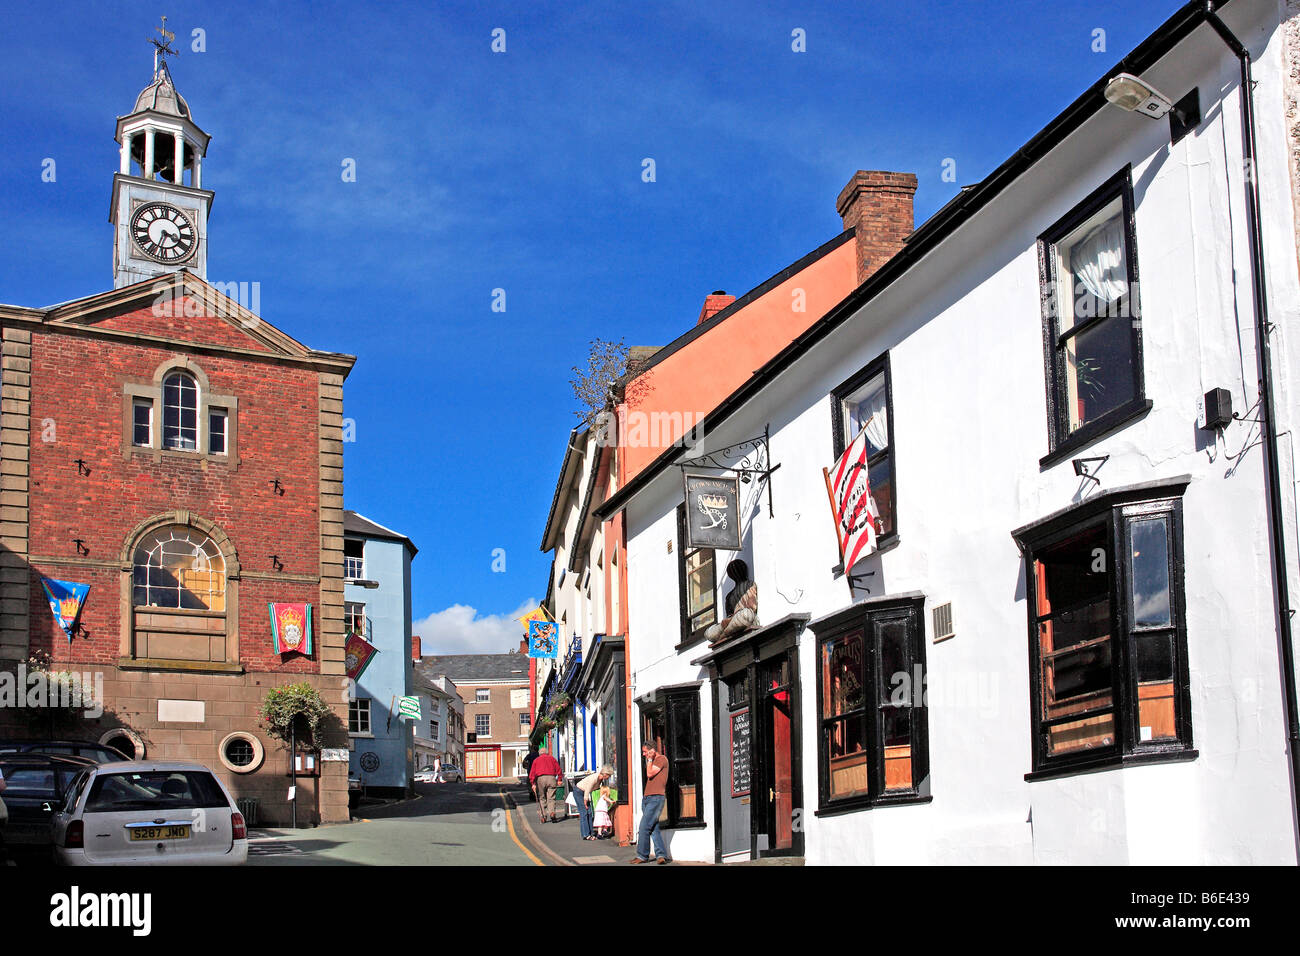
<point x="162" y="48"/>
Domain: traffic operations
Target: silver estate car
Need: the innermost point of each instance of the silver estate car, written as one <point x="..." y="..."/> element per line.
<point x="149" y="813"/>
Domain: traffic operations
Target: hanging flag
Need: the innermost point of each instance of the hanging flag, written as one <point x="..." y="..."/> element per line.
<point x="291" y="628"/>
<point x="536" y="614"/>
<point x="356" y="655"/>
<point x="852" y="506"/>
<point x="67" y="598"/>
<point x="543" y="639"/>
<point x="408" y="707"/>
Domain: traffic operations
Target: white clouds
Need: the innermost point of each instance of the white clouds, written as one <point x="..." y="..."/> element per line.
<point x="460" y="629"/>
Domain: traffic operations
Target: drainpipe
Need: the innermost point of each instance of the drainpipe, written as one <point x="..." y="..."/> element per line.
<point x="1263" y="347"/>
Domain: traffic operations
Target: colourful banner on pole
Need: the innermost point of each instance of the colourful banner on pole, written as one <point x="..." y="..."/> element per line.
<point x="543" y="639"/>
<point x="67" y="598"/>
<point x="536" y="614"/>
<point x="356" y="655"/>
<point x="291" y="628"/>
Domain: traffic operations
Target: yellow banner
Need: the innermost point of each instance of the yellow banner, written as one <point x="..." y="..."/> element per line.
<point x="536" y="614"/>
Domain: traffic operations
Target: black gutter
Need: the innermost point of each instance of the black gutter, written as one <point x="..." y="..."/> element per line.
<point x="569" y="449"/>
<point x="931" y="233"/>
<point x="1263" y="347"/>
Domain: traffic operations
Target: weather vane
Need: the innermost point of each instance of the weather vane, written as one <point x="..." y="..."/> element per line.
<point x="162" y="48"/>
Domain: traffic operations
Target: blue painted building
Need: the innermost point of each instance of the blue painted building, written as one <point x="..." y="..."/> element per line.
<point x="377" y="605"/>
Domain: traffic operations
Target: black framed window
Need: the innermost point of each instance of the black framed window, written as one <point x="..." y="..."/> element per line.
<point x="699" y="584"/>
<point x="1092" y="334"/>
<point x="1108" y="641"/>
<point x="865" y="403"/>
<point x="873" y="740"/>
<point x="671" y="725"/>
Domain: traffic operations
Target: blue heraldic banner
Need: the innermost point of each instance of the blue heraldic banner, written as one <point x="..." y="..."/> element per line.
<point x="67" y="598"/>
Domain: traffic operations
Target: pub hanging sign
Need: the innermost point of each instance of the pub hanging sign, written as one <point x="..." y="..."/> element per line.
<point x="712" y="512"/>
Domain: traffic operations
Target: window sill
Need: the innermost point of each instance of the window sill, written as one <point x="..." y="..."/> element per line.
<point x="696" y="638"/>
<point x="701" y="825"/>
<point x="886" y="542"/>
<point x="856" y="804"/>
<point x="359" y="734"/>
<point x="1110" y="422"/>
<point x="1113" y="763"/>
<point x="159" y="664"/>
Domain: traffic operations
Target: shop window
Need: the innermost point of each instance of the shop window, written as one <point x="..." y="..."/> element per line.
<point x="671" y="726"/>
<point x="1091" y="328"/>
<point x="1107" y="637"/>
<point x="699" y="584"/>
<point x="873" y="741"/>
<point x="864" y="404"/>
<point x="359" y="715"/>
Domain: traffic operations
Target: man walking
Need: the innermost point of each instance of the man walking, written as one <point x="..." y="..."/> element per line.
<point x="544" y="778"/>
<point x="652" y="804"/>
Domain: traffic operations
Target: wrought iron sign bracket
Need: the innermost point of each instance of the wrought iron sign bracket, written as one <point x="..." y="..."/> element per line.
<point x="755" y="461"/>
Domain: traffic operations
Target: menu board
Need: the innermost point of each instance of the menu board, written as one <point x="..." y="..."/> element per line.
<point x="740" y="737"/>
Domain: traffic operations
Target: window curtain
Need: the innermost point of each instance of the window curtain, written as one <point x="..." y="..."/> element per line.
<point x="1097" y="261"/>
<point x="872" y="415"/>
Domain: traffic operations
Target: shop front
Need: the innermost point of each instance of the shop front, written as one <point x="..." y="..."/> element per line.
<point x="601" y="695"/>
<point x="756" y="742"/>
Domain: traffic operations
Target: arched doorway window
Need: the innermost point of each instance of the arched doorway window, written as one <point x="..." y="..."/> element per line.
<point x="179" y="567"/>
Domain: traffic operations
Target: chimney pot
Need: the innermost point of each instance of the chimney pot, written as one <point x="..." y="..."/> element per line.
<point x="415" y="648"/>
<point x="713" y="304"/>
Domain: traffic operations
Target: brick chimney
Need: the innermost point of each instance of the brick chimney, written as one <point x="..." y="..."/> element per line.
<point x="415" y="648"/>
<point x="713" y="304"/>
<point x="877" y="206"/>
<point x="523" y="646"/>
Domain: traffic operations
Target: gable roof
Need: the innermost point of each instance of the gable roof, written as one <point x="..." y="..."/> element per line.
<point x="467" y="668"/>
<point x="91" y="314"/>
<point x="357" y="524"/>
<point x="926" y="237"/>
<point x="574" y="451"/>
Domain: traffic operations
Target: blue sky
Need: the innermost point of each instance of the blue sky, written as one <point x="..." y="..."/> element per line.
<point x="520" y="171"/>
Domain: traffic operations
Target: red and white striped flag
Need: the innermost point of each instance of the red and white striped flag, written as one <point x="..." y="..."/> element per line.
<point x="852" y="506"/>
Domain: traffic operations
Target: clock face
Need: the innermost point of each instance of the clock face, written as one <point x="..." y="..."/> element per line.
<point x="163" y="233"/>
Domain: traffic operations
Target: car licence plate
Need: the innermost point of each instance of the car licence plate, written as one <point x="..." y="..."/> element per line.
<point x="178" y="832"/>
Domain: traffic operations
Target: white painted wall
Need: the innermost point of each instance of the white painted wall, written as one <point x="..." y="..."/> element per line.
<point x="964" y="334"/>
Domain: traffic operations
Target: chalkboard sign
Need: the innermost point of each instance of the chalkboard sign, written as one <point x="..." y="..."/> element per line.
<point x="712" y="512"/>
<point x="740" y="737"/>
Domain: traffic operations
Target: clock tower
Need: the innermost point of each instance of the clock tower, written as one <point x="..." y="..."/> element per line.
<point x="160" y="208"/>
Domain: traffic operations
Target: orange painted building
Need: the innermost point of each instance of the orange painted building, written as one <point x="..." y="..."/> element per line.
<point x="665" y="395"/>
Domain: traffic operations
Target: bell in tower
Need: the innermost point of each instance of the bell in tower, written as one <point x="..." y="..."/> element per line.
<point x="160" y="208"/>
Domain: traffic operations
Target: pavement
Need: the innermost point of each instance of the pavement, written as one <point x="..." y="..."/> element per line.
<point x="559" y="844"/>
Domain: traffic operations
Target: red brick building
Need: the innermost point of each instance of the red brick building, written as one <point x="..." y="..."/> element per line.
<point x="184" y="458"/>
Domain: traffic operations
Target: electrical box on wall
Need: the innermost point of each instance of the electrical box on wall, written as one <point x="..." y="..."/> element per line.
<point x="1214" y="410"/>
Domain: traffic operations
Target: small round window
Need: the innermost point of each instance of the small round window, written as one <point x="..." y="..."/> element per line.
<point x="241" y="752"/>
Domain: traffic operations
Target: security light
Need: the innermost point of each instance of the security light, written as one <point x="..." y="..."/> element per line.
<point x="1137" y="96"/>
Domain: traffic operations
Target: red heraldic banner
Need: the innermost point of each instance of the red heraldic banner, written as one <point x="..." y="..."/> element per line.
<point x="291" y="628"/>
<point x="356" y="655"/>
<point x="851" y="503"/>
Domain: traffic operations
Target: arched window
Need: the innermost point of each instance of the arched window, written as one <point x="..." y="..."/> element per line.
<point x="180" y="412"/>
<point x="179" y="567"/>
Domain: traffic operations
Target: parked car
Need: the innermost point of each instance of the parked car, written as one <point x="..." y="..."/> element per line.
<point x="426" y="775"/>
<point x="35" y="787"/>
<point x="141" y="812"/>
<point x="100" y="753"/>
<point x="450" y="773"/>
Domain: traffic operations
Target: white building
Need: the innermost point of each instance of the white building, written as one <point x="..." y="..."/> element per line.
<point x="440" y="734"/>
<point x="1102" y="649"/>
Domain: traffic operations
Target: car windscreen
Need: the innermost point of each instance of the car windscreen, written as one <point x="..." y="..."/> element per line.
<point x="29" y="781"/>
<point x="154" y="790"/>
